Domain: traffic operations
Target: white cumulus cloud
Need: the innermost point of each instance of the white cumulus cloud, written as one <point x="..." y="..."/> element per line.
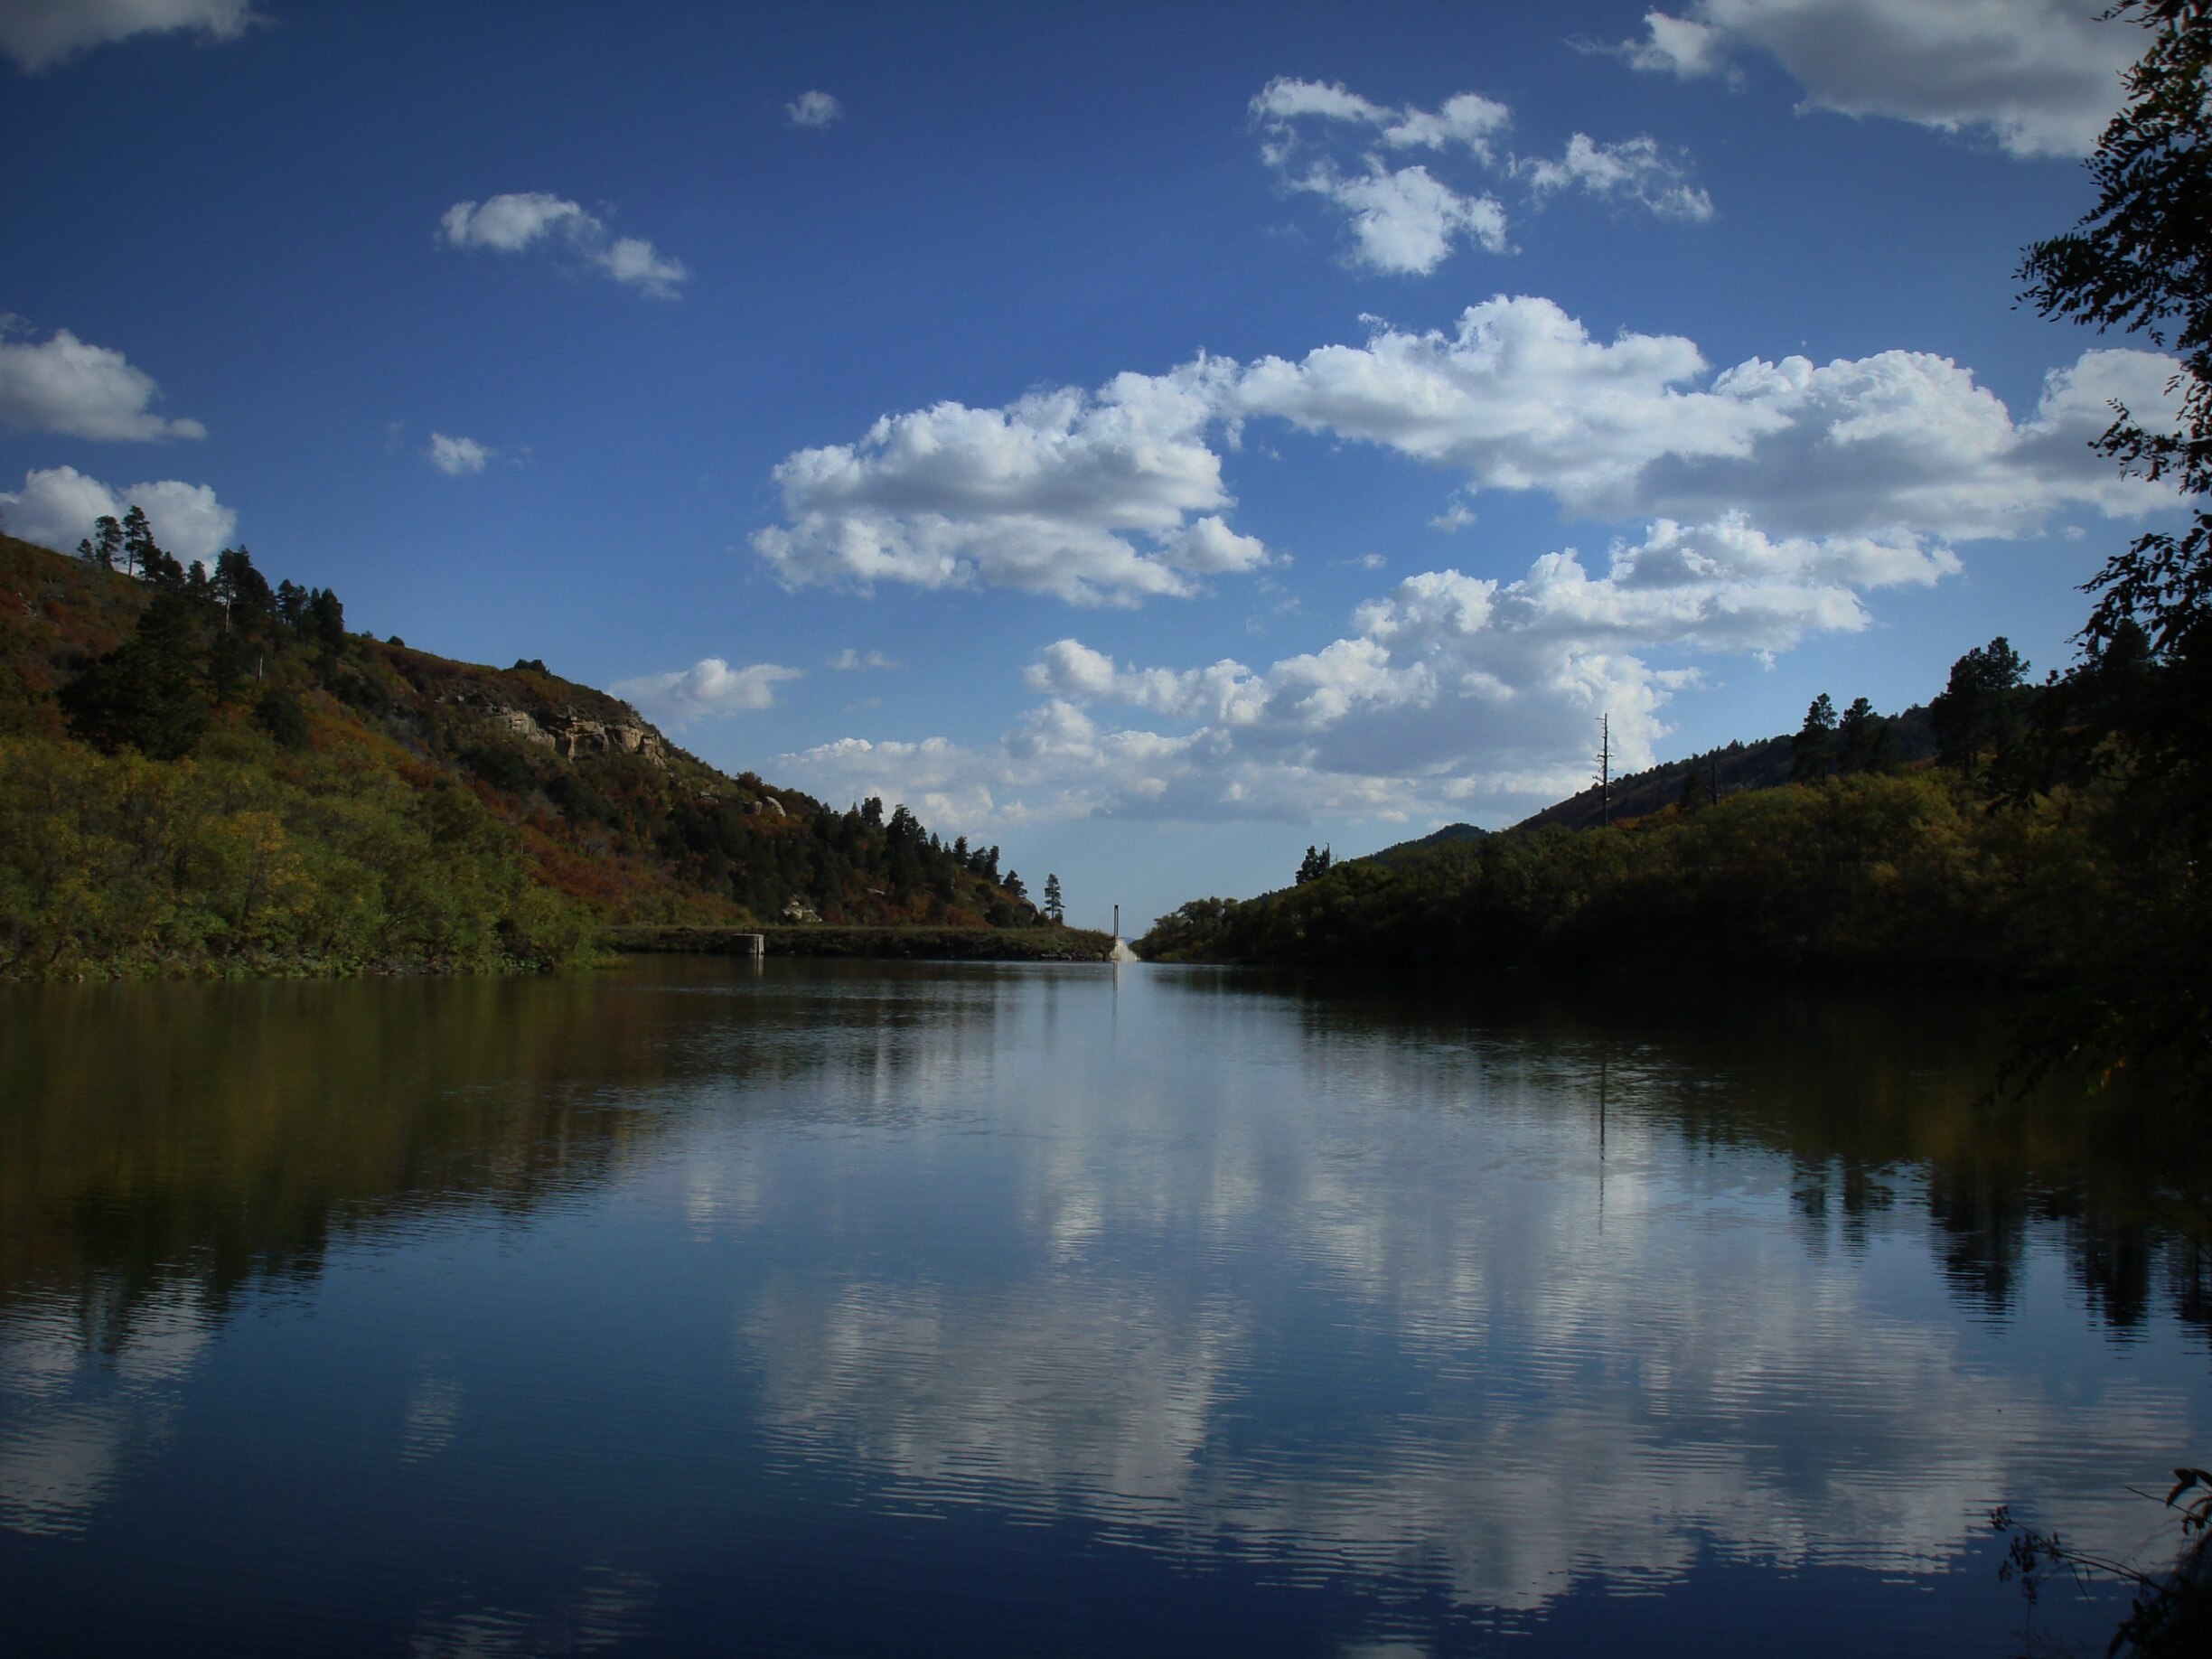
<point x="709" y="687"/>
<point x="1771" y="499"/>
<point x="1323" y="139"/>
<point x="56" y="507"/>
<point x="1910" y="439"/>
<point x="1469" y="121"/>
<point x="40" y="33"/>
<point x="814" y="109"/>
<point x="61" y="384"/>
<point x="1115" y="496"/>
<point x="1636" y="170"/>
<point x="1519" y="395"/>
<point x="1678" y="46"/>
<point x="521" y="221"/>
<point x="1403" y="221"/>
<point x="1095" y="498"/>
<point x="455" y="457"/>
<point x="2040" y="76"/>
<point x="1452" y="694"/>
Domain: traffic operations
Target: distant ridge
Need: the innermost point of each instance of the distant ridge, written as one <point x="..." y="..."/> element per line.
<point x="1732" y="770"/>
<point x="1435" y="837"/>
<point x="1762" y="763"/>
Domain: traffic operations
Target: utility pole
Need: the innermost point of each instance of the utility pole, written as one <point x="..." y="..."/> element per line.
<point x="1605" y="767"/>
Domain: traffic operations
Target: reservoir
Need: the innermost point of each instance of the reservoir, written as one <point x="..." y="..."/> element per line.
<point x="711" y="1307"/>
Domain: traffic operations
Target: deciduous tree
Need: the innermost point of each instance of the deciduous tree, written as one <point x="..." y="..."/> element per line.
<point x="2140" y="262"/>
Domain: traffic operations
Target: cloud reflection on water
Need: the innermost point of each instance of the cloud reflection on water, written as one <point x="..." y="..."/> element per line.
<point x="1376" y="1304"/>
<point x="1334" y="1286"/>
<point x="72" y="1419"/>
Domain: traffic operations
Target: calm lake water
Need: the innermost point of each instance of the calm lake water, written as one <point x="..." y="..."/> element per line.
<point x="815" y="1308"/>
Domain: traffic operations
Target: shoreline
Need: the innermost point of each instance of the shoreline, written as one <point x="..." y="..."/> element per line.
<point x="959" y="944"/>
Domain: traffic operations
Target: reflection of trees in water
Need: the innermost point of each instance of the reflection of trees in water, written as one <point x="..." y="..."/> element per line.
<point x="1828" y="1197"/>
<point x="1233" y="1280"/>
<point x="1868" y="1096"/>
<point x="213" y="1135"/>
<point x="209" y="1135"/>
<point x="1326" y="1279"/>
<point x="1981" y="1233"/>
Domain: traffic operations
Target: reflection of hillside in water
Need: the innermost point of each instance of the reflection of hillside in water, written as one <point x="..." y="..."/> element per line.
<point x="1484" y="1295"/>
<point x="164" y="1147"/>
<point x="1416" y="1328"/>
<point x="203" y="1136"/>
<point x="1866" y="1095"/>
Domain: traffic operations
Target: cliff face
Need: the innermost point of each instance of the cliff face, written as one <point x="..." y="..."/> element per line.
<point x="569" y="732"/>
<point x="598" y="812"/>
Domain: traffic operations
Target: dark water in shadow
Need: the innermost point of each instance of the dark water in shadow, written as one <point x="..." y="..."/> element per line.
<point x="857" y="1308"/>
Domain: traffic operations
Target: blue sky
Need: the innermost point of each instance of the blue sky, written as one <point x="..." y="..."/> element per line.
<point x="1150" y="438"/>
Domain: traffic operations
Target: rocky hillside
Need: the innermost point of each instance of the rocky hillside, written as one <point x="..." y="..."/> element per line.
<point x="203" y="772"/>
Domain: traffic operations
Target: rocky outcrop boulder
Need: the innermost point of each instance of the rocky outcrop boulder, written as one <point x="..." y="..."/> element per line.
<point x="567" y="732"/>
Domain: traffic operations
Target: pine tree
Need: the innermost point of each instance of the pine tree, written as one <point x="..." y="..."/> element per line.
<point x="325" y="618"/>
<point x="149" y="693"/>
<point x="107" y="541"/>
<point x="1056" y="910"/>
<point x="137" y="541"/>
<point x="243" y="590"/>
<point x="1809" y="749"/>
<point x="1865" y="741"/>
<point x="1979" y="711"/>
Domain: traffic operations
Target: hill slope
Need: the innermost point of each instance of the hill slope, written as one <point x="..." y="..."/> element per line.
<point x="214" y="774"/>
<point x="2012" y="860"/>
<point x="1762" y="763"/>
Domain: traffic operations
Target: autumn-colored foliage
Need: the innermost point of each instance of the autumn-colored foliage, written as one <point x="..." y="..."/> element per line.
<point x="206" y="774"/>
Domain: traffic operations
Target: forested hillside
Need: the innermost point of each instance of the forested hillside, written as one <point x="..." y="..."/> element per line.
<point x="1697" y="780"/>
<point x="1704" y="778"/>
<point x="1886" y="874"/>
<point x="2010" y="852"/>
<point x="201" y="772"/>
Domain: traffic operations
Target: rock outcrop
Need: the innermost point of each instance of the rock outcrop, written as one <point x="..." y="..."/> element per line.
<point x="566" y="732"/>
